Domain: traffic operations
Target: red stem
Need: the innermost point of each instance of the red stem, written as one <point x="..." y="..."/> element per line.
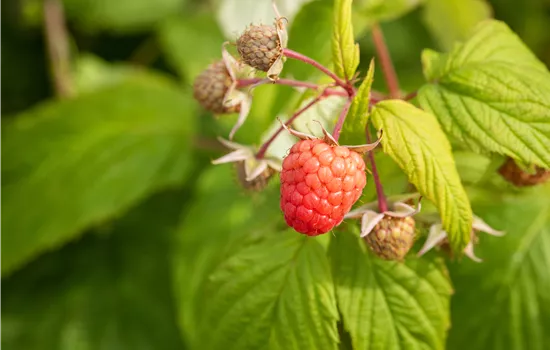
<point x="341" y="119"/>
<point x="382" y="203"/>
<point x="265" y="146"/>
<point x="385" y="61"/>
<point x="289" y="82"/>
<point x="410" y="96"/>
<point x="298" y="56"/>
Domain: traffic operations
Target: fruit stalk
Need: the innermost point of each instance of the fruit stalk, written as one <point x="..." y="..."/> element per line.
<point x="341" y="119"/>
<point x="289" y="82"/>
<point x="265" y="146"/>
<point x="298" y="56"/>
<point x="382" y="203"/>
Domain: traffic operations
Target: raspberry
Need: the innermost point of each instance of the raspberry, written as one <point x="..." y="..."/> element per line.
<point x="319" y="185"/>
<point x="258" y="183"/>
<point x="211" y="86"/>
<point x="259" y="46"/>
<point x="392" y="237"/>
<point x="511" y="172"/>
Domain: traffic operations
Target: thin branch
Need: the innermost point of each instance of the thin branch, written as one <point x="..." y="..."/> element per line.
<point x="382" y="202"/>
<point x="57" y="41"/>
<point x="265" y="146"/>
<point x="410" y="96"/>
<point x="341" y="119"/>
<point x="385" y="62"/>
<point x="298" y="56"/>
<point x="289" y="82"/>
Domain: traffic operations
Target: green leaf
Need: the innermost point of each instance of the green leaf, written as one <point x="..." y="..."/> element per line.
<point x="109" y="290"/>
<point x="385" y="10"/>
<point x="280" y="280"/>
<point x="345" y="52"/>
<point x="353" y="131"/>
<point x="203" y="242"/>
<point x="191" y="43"/>
<point x="72" y="164"/>
<point x="512" y="282"/>
<point x="414" y="139"/>
<point x="453" y="20"/>
<point x="390" y="305"/>
<point x="121" y="16"/>
<point x="492" y="94"/>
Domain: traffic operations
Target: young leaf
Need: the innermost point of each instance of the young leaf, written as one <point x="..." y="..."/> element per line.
<point x="389" y="305"/>
<point x="510" y="307"/>
<point x="414" y="139"/>
<point x="68" y="165"/>
<point x="345" y="51"/>
<point x="492" y="94"/>
<point x="353" y="131"/>
<point x="274" y="292"/>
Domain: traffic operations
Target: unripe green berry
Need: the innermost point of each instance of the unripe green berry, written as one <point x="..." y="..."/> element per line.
<point x="259" y="46"/>
<point x="210" y="87"/>
<point x="392" y="238"/>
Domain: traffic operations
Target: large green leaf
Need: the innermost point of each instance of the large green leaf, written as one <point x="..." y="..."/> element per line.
<point x="345" y="52"/>
<point x="509" y="308"/>
<point x="110" y="290"/>
<point x="354" y="129"/>
<point x="492" y="94"/>
<point x="191" y="43"/>
<point x="69" y="165"/>
<point x="453" y="20"/>
<point x="282" y="282"/>
<point x="390" y="305"/>
<point x="414" y="139"/>
<point x="121" y="16"/>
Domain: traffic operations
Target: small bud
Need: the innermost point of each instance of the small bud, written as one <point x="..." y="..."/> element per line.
<point x="260" y="46"/>
<point x="392" y="237"/>
<point x="514" y="174"/>
<point x="211" y="87"/>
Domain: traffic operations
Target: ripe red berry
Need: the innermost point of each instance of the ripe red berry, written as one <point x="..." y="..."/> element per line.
<point x="319" y="185"/>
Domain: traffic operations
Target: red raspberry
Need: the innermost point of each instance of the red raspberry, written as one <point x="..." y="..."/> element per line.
<point x="319" y="185"/>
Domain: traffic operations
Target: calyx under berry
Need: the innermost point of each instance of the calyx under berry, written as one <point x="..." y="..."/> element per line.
<point x="253" y="172"/>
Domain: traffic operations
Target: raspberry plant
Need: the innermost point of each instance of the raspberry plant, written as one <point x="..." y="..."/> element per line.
<point x="310" y="181"/>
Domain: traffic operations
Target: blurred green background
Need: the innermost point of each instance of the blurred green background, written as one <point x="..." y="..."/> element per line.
<point x="107" y="187"/>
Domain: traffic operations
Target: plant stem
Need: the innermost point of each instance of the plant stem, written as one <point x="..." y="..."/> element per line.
<point x="57" y="43"/>
<point x="265" y="146"/>
<point x="289" y="82"/>
<point x="298" y="56"/>
<point x="341" y="119"/>
<point x="410" y="96"/>
<point x="385" y="62"/>
<point x="382" y="203"/>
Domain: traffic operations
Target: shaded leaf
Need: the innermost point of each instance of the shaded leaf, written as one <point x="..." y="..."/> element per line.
<point x="387" y="304"/>
<point x="69" y="165"/>
<point x="511" y="303"/>
<point x="121" y="16"/>
<point x="414" y="139"/>
<point x="110" y="290"/>
<point x="492" y="94"/>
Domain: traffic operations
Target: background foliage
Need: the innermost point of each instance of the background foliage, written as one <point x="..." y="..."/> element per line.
<point x="119" y="234"/>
